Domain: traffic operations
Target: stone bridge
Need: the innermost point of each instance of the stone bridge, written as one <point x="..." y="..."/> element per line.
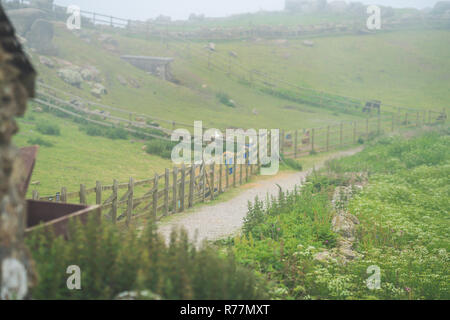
<point x="158" y="66"/>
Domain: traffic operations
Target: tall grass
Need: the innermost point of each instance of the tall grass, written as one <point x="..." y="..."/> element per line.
<point x="112" y="262"/>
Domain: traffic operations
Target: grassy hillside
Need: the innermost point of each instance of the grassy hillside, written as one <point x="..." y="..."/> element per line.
<point x="75" y="158"/>
<point x="366" y="67"/>
<point x="404" y="68"/>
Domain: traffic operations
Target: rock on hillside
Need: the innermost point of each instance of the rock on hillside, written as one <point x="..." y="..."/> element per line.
<point x="71" y="77"/>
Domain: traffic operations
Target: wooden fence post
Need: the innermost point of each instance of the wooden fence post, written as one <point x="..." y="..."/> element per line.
<point x="191" y="186"/>
<point x="130" y="200"/>
<point x="114" y="201"/>
<point x="35" y="195"/>
<point x="83" y="194"/>
<point x="241" y="169"/>
<point x="182" y="187"/>
<point x="204" y="181"/>
<point x="247" y="162"/>
<point x="227" y="173"/>
<point x="166" y="191"/>
<point x="174" y="190"/>
<point x="213" y="165"/>
<point x="234" y="169"/>
<point x="98" y="193"/>
<point x="295" y="144"/>
<point x="313" y="137"/>
<point x="64" y="195"/>
<point x="155" y="197"/>
<point x="220" y="176"/>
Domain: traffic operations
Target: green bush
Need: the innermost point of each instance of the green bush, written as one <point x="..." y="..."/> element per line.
<point x="113" y="261"/>
<point x="93" y="130"/>
<point x="115" y="133"/>
<point x="225" y="99"/>
<point x="160" y="148"/>
<point x="292" y="163"/>
<point x="48" y="128"/>
<point x="40" y="142"/>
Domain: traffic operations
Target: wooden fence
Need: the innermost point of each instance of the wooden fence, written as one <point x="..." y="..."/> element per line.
<point x="180" y="188"/>
<point x="173" y="191"/>
<point x="297" y="143"/>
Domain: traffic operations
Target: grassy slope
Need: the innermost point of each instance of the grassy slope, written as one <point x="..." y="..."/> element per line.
<point x="376" y="66"/>
<point x="78" y="158"/>
<point x="407" y="68"/>
<point x="367" y="67"/>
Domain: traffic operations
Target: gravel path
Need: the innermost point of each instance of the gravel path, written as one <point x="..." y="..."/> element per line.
<point x="218" y="221"/>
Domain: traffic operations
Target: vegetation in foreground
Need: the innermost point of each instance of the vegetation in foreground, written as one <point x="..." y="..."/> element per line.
<point x="404" y="227"/>
<point x="114" y="262"/>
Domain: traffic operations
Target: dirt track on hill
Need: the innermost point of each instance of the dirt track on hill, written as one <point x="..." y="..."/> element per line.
<point x="218" y="221"/>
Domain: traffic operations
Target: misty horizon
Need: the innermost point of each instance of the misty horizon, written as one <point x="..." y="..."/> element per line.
<point x="180" y="9"/>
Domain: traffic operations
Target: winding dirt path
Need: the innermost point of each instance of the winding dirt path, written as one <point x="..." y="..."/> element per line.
<point x="218" y="221"/>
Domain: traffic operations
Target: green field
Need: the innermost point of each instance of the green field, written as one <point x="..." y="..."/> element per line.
<point x="77" y="158"/>
<point x="403" y="68"/>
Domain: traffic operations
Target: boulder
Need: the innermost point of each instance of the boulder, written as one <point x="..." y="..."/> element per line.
<point x="122" y="80"/>
<point x="71" y="77"/>
<point x="77" y="103"/>
<point x="233" y="54"/>
<point x="308" y="43"/>
<point x="40" y="37"/>
<point x="47" y="62"/>
<point x="134" y="83"/>
<point x="90" y="74"/>
<point x="98" y="90"/>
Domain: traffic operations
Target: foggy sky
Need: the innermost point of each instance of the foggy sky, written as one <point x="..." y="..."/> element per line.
<point x="181" y="9"/>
